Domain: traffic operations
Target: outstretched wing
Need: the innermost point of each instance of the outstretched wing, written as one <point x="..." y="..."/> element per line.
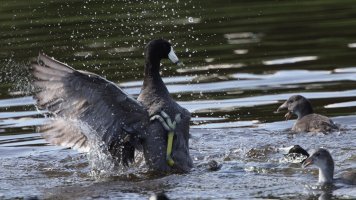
<point x="86" y="108"/>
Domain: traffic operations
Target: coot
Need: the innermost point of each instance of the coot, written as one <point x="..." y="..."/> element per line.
<point x="323" y="160"/>
<point x="307" y="121"/>
<point x="88" y="109"/>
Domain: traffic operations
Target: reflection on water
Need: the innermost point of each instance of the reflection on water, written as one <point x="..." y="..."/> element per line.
<point x="243" y="58"/>
<point x="352" y="45"/>
<point x="341" y="105"/>
<point x="289" y="60"/>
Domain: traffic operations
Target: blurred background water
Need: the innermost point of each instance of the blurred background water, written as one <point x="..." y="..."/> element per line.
<point x="242" y="60"/>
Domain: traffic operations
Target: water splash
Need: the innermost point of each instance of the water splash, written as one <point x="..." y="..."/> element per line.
<point x="101" y="162"/>
<point x="17" y="76"/>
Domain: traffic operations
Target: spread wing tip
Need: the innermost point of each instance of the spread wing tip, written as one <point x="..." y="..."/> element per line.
<point x="45" y="60"/>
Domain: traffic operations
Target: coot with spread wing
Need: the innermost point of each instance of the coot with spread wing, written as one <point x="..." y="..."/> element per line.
<point x="88" y="109"/>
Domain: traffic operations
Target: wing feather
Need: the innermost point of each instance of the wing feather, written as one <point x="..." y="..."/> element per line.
<point x="76" y="98"/>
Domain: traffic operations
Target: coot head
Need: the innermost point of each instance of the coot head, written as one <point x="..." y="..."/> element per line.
<point x="158" y="49"/>
<point x="323" y="160"/>
<point x="297" y="105"/>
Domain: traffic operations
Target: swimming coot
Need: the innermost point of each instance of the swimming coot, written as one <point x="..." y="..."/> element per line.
<point x="323" y="160"/>
<point x="294" y="154"/>
<point x="159" y="196"/>
<point x="307" y="121"/>
<point x="88" y="109"/>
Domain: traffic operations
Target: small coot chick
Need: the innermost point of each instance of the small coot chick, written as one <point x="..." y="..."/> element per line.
<point x="31" y="198"/>
<point x="323" y="160"/>
<point x="299" y="150"/>
<point x="295" y="154"/>
<point x="159" y="196"/>
<point x="88" y="109"/>
<point x="307" y="121"/>
<point x="213" y="165"/>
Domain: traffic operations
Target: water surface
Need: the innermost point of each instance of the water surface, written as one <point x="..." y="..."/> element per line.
<point x="242" y="60"/>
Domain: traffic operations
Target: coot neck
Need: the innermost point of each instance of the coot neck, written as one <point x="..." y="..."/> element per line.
<point x="152" y="81"/>
<point x="152" y="67"/>
<point x="306" y="109"/>
<point x="326" y="174"/>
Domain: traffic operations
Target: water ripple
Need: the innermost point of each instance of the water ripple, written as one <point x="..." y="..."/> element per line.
<point x="206" y="105"/>
<point x="278" y="79"/>
<point x="283" y="61"/>
<point x="342" y="105"/>
<point x="20" y="101"/>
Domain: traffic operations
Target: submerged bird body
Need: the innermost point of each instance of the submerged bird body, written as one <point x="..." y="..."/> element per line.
<point x="314" y="123"/>
<point x="307" y="121"/>
<point x="89" y="110"/>
<point x="294" y="154"/>
<point x="324" y="161"/>
<point x="154" y="154"/>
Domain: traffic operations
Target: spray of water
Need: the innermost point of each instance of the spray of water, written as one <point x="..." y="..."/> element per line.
<point x="102" y="164"/>
<point x="16" y="76"/>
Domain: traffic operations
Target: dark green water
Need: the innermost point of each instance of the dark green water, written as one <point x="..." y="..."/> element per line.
<point x="242" y="59"/>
